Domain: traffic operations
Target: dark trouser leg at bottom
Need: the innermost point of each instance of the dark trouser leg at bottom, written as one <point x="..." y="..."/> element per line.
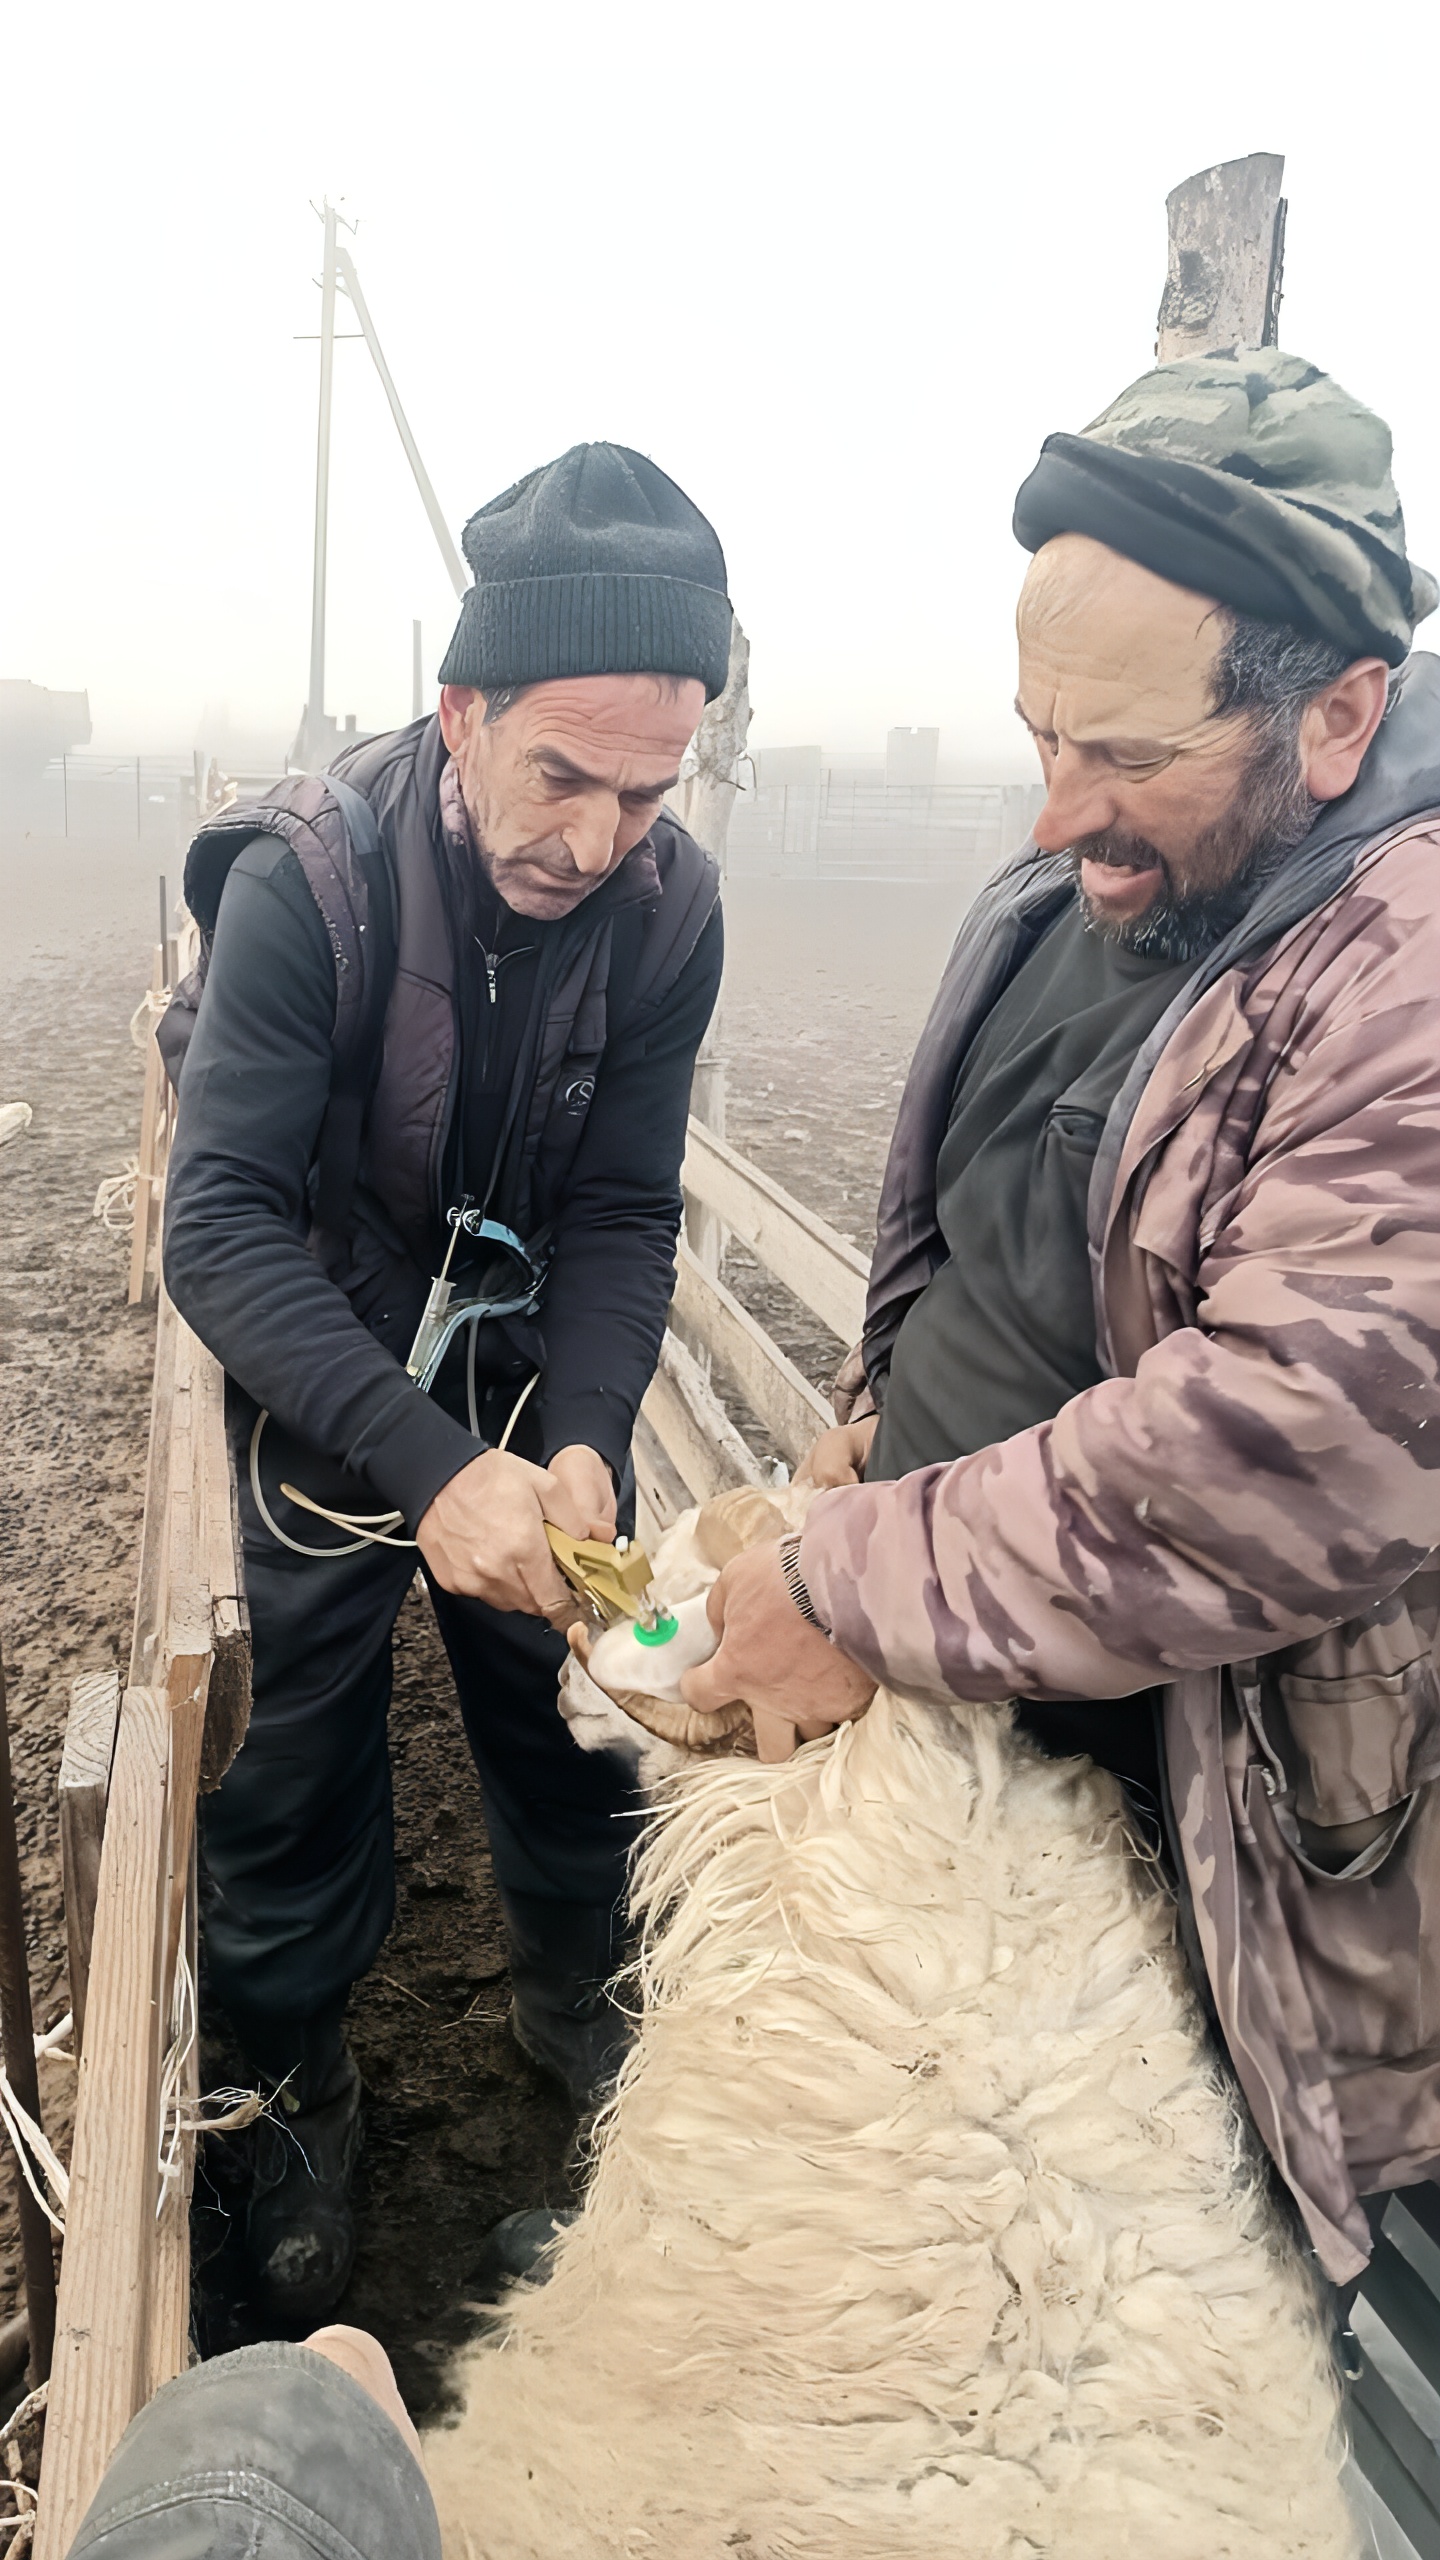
<point x="561" y="1823"/>
<point x="300" y="1886"/>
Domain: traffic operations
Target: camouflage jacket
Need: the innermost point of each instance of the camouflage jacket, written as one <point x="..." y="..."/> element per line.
<point x="1247" y="1508"/>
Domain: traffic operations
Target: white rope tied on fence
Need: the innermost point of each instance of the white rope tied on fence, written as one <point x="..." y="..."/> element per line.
<point x="29" y="2143"/>
<point x="146" y="1015"/>
<point x="115" y="1199"/>
<point x="219" y="2111"/>
<point x="20" y="2526"/>
<point x="180" y="2115"/>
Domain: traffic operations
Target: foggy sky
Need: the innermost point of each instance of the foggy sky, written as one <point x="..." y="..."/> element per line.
<point x="839" y="270"/>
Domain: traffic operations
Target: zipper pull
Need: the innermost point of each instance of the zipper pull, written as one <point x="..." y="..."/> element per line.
<point x="489" y="959"/>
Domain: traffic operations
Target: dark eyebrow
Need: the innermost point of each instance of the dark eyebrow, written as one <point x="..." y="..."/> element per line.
<point x="1126" y="750"/>
<point x="562" y="770"/>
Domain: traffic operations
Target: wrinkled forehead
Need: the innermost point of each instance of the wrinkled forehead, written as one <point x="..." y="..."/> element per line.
<point x="1109" y="651"/>
<point x="609" y="716"/>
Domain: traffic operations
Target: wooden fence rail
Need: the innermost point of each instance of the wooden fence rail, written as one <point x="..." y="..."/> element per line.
<point x="686" y="1446"/>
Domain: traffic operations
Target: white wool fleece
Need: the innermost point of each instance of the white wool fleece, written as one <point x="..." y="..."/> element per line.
<point x="922" y="2224"/>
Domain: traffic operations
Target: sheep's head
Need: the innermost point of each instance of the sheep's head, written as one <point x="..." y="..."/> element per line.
<point x="689" y="1558"/>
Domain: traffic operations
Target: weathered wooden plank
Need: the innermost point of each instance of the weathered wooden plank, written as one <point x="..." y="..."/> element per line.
<point x="661" y="1493"/>
<point x="168" y="2330"/>
<point x="693" y="1429"/>
<point x="150" y="1583"/>
<point x="707" y="1313"/>
<point x="84" y="1785"/>
<point x="227" y="1712"/>
<point x="1399" y="2296"/>
<point x="192" y="1593"/>
<point x="1411" y="2447"/>
<point x="126" y="2280"/>
<point x="154" y="1128"/>
<point x="828" y="1275"/>
<point x="101" y="2372"/>
<point x="1392" y="2483"/>
<point x="1227" y="246"/>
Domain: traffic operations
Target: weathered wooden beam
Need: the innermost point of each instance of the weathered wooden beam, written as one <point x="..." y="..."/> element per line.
<point x="221" y="1567"/>
<point x="125" y="2282"/>
<point x="706" y="1313"/>
<point x="17" y="2036"/>
<point x="100" y="2372"/>
<point x="1227" y="251"/>
<point x="191" y="1571"/>
<point x="661" y="1493"/>
<point x="146" y="1634"/>
<point x="85" y="1758"/>
<point x="693" y="1429"/>
<point x="168" y="2331"/>
<point x="706" y="798"/>
<point x="150" y="1173"/>
<point x="825" y="1273"/>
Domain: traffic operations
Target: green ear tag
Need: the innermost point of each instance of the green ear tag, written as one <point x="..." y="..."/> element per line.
<point x="661" y="1633"/>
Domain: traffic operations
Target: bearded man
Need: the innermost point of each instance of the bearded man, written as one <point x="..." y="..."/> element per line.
<point x="452" y="996"/>
<point x="1153" y="1333"/>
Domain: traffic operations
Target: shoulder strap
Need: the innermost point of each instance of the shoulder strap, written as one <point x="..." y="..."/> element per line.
<point x="357" y="1052"/>
<point x="362" y="825"/>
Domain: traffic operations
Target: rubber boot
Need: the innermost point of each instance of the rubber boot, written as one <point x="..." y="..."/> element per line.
<point x="299" y="2228"/>
<point x="521" y="2248"/>
<point x="562" y="1955"/>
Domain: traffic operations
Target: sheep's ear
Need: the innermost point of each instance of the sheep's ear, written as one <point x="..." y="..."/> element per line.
<point x="743" y="1517"/>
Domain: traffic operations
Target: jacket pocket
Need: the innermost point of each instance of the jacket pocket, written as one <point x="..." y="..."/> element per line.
<point x="1361" y="1742"/>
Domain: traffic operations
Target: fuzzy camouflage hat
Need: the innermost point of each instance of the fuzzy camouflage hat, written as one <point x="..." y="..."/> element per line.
<point x="1253" y="478"/>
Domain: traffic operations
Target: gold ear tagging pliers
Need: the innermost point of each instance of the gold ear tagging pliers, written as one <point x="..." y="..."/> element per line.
<point x="614" y="1582"/>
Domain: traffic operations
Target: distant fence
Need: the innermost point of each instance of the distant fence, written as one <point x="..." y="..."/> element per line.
<point x="841" y="830"/>
<point x="90" y="799"/>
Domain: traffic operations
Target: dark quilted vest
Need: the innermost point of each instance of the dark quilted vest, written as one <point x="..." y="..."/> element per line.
<point x="396" y="1040"/>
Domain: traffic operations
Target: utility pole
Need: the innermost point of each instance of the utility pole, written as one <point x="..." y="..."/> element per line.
<point x="312" y="747"/>
<point x="312" y="733"/>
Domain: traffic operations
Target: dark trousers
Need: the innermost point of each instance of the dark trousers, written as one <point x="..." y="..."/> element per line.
<point x="298" y="1840"/>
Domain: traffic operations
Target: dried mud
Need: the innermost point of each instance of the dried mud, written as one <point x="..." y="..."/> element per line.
<point x="826" y="987"/>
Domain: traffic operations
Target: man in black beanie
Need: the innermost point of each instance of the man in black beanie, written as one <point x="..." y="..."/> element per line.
<point x="449" y="1004"/>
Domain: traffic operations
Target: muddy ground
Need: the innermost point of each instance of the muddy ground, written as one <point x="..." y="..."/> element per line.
<point x="826" y="988"/>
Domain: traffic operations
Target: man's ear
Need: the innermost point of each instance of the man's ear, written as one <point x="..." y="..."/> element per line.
<point x="1337" y="727"/>
<point x="460" y="708"/>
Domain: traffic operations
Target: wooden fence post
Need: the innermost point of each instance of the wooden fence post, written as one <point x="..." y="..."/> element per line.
<point x="84" y="1788"/>
<point x="101" y="2368"/>
<point x="1227" y="251"/>
<point x="707" y="800"/>
<point x="154" y="1128"/>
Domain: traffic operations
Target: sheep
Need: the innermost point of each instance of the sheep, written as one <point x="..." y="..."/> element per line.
<point x="923" y="2220"/>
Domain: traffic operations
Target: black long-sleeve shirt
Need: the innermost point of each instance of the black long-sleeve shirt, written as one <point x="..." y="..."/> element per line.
<point x="255" y="1087"/>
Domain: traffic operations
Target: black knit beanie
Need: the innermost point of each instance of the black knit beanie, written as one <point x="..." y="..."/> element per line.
<point x="595" y="565"/>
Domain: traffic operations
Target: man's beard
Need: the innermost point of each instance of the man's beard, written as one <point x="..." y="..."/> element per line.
<point x="1272" y="811"/>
